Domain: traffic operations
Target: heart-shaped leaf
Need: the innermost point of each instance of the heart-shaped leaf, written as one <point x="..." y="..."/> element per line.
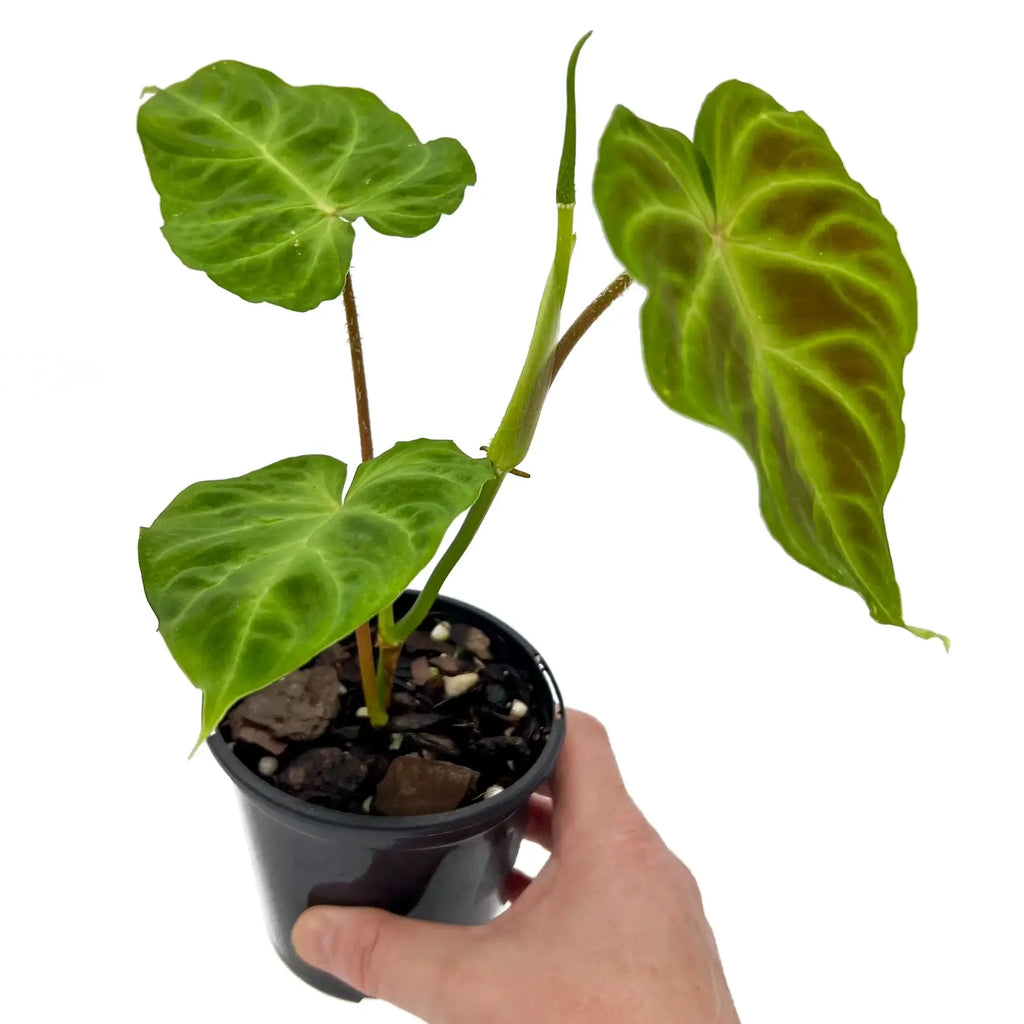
<point x="779" y="310"/>
<point x="251" y="577"/>
<point x="259" y="180"/>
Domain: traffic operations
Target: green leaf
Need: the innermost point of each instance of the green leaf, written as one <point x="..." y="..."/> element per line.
<point x="251" y="577"/>
<point x="779" y="310"/>
<point x="259" y="180"/>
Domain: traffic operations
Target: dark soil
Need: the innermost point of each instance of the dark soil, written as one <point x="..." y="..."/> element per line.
<point x="303" y="733"/>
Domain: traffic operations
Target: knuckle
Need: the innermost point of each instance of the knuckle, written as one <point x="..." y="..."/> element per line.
<point x="366" y="969"/>
<point x="688" y="885"/>
<point x="633" y="840"/>
<point x="588" y="726"/>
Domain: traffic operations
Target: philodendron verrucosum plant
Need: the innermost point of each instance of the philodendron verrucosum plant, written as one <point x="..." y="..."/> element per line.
<point x="779" y="309"/>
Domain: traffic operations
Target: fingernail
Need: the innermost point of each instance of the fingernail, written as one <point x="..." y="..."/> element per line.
<point x="311" y="938"/>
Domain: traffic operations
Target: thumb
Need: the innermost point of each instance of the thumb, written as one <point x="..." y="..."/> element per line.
<point x="407" y="962"/>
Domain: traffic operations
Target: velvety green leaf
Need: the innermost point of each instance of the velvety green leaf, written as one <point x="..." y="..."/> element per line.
<point x="779" y="310"/>
<point x="251" y="577"/>
<point x="259" y="181"/>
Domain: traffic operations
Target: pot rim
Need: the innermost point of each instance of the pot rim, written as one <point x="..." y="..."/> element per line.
<point x="489" y="809"/>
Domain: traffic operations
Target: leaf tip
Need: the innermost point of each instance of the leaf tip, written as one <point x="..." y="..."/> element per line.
<point x="211" y="716"/>
<point x="927" y="634"/>
<point x="149" y="90"/>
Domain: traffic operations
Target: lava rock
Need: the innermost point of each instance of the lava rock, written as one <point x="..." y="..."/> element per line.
<point x="348" y="671"/>
<point x="335" y="656"/>
<point x="326" y="773"/>
<point x="446" y="663"/>
<point x="530" y="729"/>
<point x="415" y="722"/>
<point x="474" y="640"/>
<point x="401" y="702"/>
<point x="492" y="720"/>
<point x="415" y="785"/>
<point x="256" y="736"/>
<point x="497" y="696"/>
<point x="502" y="746"/>
<point x="376" y="766"/>
<point x="432" y="743"/>
<point x="419" y="670"/>
<point x="418" y="641"/>
<point x="298" y="707"/>
<point x="502" y="674"/>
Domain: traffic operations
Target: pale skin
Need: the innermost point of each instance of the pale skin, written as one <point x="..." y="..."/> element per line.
<point x="611" y="931"/>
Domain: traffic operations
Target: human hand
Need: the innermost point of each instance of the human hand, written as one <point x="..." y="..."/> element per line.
<point x="611" y="930"/>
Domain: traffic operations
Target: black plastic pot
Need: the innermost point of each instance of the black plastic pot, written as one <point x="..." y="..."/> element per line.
<point x="438" y="867"/>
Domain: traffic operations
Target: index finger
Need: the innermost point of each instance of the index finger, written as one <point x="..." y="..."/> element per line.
<point x="586" y="785"/>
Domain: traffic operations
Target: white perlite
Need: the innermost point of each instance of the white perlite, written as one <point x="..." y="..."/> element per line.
<point x="493" y="791"/>
<point x="267" y="765"/>
<point x="518" y="710"/>
<point x="342" y="689"/>
<point x="441" y="632"/>
<point x="396" y="741"/>
<point x="456" y="686"/>
<point x="363" y="712"/>
<point x="367" y="804"/>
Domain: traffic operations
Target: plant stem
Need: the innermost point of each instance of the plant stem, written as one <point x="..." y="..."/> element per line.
<point x="397" y="633"/>
<point x="586" y="319"/>
<point x="515" y="432"/>
<point x="387" y="658"/>
<point x="364" y="641"/>
<point x="421" y="608"/>
<point x="355" y="345"/>
<point x="371" y="691"/>
<point x="387" y="665"/>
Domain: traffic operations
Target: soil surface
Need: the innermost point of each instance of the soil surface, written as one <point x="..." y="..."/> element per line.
<point x="463" y="721"/>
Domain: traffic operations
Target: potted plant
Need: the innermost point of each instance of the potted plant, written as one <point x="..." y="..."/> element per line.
<point x="384" y="741"/>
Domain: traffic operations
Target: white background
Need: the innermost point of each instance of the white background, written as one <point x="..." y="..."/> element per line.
<point x="848" y="796"/>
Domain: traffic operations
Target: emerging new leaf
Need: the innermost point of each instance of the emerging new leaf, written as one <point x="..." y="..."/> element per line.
<point x="779" y="310"/>
<point x="251" y="577"/>
<point x="260" y="181"/>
